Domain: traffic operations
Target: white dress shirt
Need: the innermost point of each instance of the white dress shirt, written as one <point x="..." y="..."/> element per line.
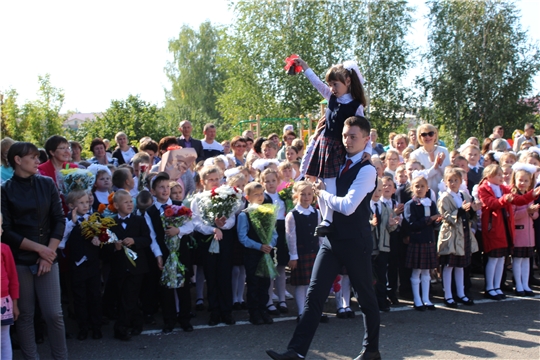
<point x="361" y="186"/>
<point x="280" y="203"/>
<point x="203" y="228"/>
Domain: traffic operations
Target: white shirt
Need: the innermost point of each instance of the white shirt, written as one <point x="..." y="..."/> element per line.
<point x="102" y="197"/>
<point x="68" y="229"/>
<point x="154" y="245"/>
<point x="435" y="174"/>
<point x="280" y="203"/>
<point x="457" y="197"/>
<point x="213" y="146"/>
<point x="361" y="186"/>
<point x="290" y="229"/>
<point x="128" y="155"/>
<point x="200" y="226"/>
<point x="496" y="190"/>
<point x="373" y="208"/>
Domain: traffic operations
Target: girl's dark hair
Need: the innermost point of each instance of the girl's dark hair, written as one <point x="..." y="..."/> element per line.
<point x="491" y="158"/>
<point x="120" y="176"/>
<point x="165" y="142"/>
<point x="21" y="149"/>
<point x="339" y="73"/>
<point x="75" y="144"/>
<point x="53" y="142"/>
<point x="486" y="145"/>
<point x="257" y="145"/>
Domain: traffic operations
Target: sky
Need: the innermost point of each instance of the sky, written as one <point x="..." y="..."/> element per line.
<point x="98" y="51"/>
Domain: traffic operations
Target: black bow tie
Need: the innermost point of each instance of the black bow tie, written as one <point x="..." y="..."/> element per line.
<point x="80" y="219"/>
<point x="123" y="221"/>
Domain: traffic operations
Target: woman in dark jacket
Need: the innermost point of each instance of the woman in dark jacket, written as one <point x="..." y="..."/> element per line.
<point x="124" y="152"/>
<point x="33" y="227"/>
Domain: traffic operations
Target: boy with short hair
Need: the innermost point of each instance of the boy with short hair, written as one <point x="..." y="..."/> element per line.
<point x="134" y="234"/>
<point x="161" y="191"/>
<point x="269" y="149"/>
<point x="123" y="179"/>
<point x="472" y="154"/>
<point x="257" y="287"/>
<point x="85" y="267"/>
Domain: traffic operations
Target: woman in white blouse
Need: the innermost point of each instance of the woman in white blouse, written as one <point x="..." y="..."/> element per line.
<point x="432" y="156"/>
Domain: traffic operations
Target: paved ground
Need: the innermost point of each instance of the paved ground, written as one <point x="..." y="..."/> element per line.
<point x="508" y="329"/>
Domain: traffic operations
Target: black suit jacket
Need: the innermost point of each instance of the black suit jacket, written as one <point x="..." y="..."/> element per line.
<point x="118" y="155"/>
<point x="79" y="247"/>
<point x="473" y="178"/>
<point x="138" y="230"/>
<point x="195" y="144"/>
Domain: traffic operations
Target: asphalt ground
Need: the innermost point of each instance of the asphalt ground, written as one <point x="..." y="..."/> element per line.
<point x="508" y="329"/>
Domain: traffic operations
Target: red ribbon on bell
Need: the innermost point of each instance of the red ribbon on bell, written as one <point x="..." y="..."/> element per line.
<point x="291" y="67"/>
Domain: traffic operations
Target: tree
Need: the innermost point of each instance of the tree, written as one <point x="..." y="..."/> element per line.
<point x="323" y="33"/>
<point x="133" y="116"/>
<point x="37" y="120"/>
<point x="195" y="78"/>
<point x="481" y="66"/>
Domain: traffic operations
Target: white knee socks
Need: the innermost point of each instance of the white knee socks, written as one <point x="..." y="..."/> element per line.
<point x="300" y="293"/>
<point x="447" y="282"/>
<point x="280" y="283"/>
<point x="516" y="269"/>
<point x="490" y="273"/>
<point x="238" y="283"/>
<point x="343" y="296"/>
<point x="460" y="287"/>
<point x="525" y="272"/>
<point x="426" y="282"/>
<point x="499" y="268"/>
<point x="415" y="285"/>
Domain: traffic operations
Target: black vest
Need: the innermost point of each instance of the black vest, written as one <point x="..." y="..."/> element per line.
<point x="336" y="114"/>
<point x="252" y="234"/>
<point x="306" y="241"/>
<point x="357" y="224"/>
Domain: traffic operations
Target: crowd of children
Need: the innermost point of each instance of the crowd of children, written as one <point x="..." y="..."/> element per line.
<point x="480" y="216"/>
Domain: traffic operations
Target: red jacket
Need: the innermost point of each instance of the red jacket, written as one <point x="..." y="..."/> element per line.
<point x="9" y="279"/>
<point x="493" y="228"/>
<point x="47" y="169"/>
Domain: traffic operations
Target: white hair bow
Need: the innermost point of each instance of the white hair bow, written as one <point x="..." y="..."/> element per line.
<point x="352" y="65"/>
<point x="526" y="167"/>
<point x="94" y="168"/>
<point x="417" y="173"/>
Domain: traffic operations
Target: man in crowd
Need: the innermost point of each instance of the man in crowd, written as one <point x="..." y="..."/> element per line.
<point x="187" y="141"/>
<point x="210" y="146"/>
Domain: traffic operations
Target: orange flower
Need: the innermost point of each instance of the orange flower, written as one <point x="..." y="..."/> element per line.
<point x="110" y="197"/>
<point x="169" y="211"/>
<point x="101" y="208"/>
<point x="112" y="208"/>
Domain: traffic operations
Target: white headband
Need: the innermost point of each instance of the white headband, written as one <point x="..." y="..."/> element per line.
<point x="94" y="168"/>
<point x="534" y="149"/>
<point x="261" y="164"/>
<point x="231" y="172"/>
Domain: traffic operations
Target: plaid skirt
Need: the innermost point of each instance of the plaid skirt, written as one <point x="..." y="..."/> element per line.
<point x="523" y="252"/>
<point x="460" y="261"/>
<point x="327" y="158"/>
<point x="421" y="256"/>
<point x="304" y="267"/>
<point x="500" y="252"/>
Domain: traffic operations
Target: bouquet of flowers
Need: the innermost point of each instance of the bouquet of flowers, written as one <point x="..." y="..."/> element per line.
<point x="286" y="195"/>
<point x="75" y="179"/>
<point x="112" y="239"/>
<point x="97" y="226"/>
<point x="108" y="210"/>
<point x="263" y="218"/>
<point x="173" y="274"/>
<point x="216" y="203"/>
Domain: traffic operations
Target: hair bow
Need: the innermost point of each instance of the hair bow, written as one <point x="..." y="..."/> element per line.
<point x="531" y="169"/>
<point x="352" y="65"/>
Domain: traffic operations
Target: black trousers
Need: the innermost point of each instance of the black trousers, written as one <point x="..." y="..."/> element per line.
<point x="150" y="288"/>
<point x="257" y="287"/>
<point x="218" y="273"/>
<point x="355" y="255"/>
<point x="168" y="304"/>
<point x="129" y="314"/>
<point x="380" y="266"/>
<point x="86" y="288"/>
<point x="405" y="273"/>
<point x="393" y="263"/>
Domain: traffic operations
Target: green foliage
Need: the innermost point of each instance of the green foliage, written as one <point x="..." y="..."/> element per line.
<point x="133" y="116"/>
<point x="195" y="78"/>
<point x="36" y="120"/>
<point x="481" y="66"/>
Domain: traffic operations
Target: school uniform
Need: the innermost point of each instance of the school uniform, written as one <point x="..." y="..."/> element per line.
<point x="393" y="256"/>
<point x="217" y="267"/>
<point x="474" y="175"/>
<point x="85" y="276"/>
<point x="281" y="255"/>
<point x="422" y="250"/>
<point x="349" y="245"/>
<point x="381" y="248"/>
<point x="403" y="195"/>
<point x="257" y="286"/>
<point x="129" y="277"/>
<point x="167" y="295"/>
<point x="302" y="243"/>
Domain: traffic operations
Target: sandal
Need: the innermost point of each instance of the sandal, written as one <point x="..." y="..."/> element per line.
<point x="282" y="306"/>
<point x="350" y="313"/>
<point x="468" y="300"/>
<point x="450" y="303"/>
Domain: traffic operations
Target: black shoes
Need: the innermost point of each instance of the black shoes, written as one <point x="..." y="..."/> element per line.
<point x="267" y="319"/>
<point x="228" y="319"/>
<point x="256" y="320"/>
<point x="199" y="305"/>
<point x="450" y="303"/>
<point x="288" y="355"/>
<point x="529" y="293"/>
<point x="186" y="326"/>
<point x="237" y="306"/>
<point x="122" y="336"/>
<point x="273" y="311"/>
<point x="322" y="230"/>
<point x="430" y="307"/>
<point x="324" y="319"/>
<point x="419" y="307"/>
<point x="282" y="307"/>
<point x="369" y="355"/>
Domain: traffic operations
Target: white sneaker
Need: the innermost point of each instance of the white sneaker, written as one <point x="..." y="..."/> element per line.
<point x="274" y="297"/>
<point x="288" y="295"/>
